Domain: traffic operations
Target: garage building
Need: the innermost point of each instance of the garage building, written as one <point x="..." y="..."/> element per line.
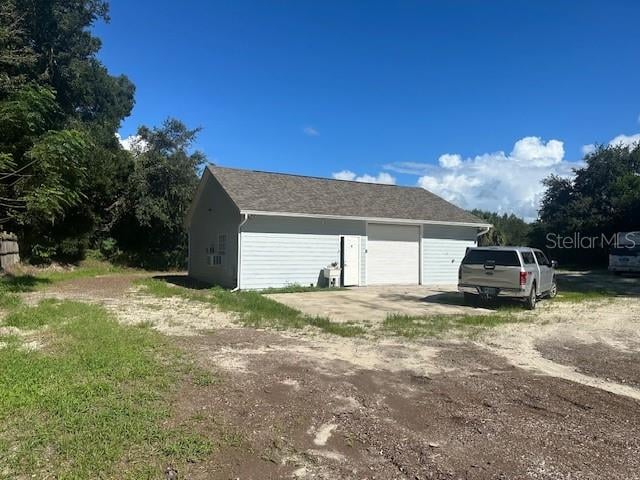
<point x="255" y="230"/>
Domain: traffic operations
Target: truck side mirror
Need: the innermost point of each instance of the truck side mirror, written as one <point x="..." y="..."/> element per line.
<point x="554" y="264"/>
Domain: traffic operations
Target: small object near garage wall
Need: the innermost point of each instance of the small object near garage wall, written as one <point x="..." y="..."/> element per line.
<point x="281" y="251"/>
<point x="443" y="248"/>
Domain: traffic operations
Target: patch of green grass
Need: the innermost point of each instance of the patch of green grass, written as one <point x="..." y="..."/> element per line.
<point x="187" y="446"/>
<point x="436" y="325"/>
<point x="49" y="312"/>
<point x="98" y="392"/>
<point x="9" y="301"/>
<point x="17" y="283"/>
<point x="160" y="288"/>
<point x="253" y="308"/>
<point x="10" y="341"/>
<point x="346" y="329"/>
<point x="584" y="296"/>
<point x="258" y="311"/>
<point x="86" y="268"/>
<point x="22" y="280"/>
<point x="203" y="378"/>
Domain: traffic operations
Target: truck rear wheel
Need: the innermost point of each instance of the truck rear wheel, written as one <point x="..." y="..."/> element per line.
<point x="531" y="300"/>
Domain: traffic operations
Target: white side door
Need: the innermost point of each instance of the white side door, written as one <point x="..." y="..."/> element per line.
<point x="350" y="260"/>
<point x="393" y="254"/>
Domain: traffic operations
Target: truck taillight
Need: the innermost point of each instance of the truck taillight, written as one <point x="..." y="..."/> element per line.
<point x="523" y="278"/>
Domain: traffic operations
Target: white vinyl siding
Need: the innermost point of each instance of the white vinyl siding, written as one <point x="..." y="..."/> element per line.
<point x="393" y="254"/>
<point x="443" y="248"/>
<point x="279" y="259"/>
<point x="277" y="251"/>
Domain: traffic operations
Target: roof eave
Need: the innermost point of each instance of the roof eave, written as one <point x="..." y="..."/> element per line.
<point x="413" y="221"/>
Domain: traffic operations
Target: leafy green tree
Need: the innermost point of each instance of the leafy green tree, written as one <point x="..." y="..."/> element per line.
<point x="62" y="166"/>
<point x="43" y="169"/>
<point x="602" y="199"/>
<point x="149" y="220"/>
<point x="16" y="55"/>
<point x="507" y="229"/>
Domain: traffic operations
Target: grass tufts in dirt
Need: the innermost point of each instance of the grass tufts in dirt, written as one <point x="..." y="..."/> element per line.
<point x="187" y="446"/>
<point x="28" y="279"/>
<point x="86" y="268"/>
<point x="436" y="325"/>
<point x="9" y="301"/>
<point x="595" y="286"/>
<point x="98" y="392"/>
<point x="585" y="296"/>
<point x="253" y="309"/>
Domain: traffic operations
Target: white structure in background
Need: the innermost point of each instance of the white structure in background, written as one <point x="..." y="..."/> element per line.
<point x="625" y="254"/>
<point x="255" y="230"/>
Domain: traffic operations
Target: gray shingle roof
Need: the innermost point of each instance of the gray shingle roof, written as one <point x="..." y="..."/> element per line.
<point x="283" y="193"/>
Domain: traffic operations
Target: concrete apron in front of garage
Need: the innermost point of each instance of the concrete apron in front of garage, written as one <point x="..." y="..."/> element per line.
<point x="375" y="303"/>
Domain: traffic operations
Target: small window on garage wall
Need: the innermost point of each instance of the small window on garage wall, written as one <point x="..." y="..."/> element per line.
<point x="222" y="243"/>
<point x="213" y="260"/>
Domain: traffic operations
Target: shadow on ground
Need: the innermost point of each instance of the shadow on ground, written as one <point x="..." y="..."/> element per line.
<point x="183" y="280"/>
<point x="599" y="281"/>
<point x="21" y="283"/>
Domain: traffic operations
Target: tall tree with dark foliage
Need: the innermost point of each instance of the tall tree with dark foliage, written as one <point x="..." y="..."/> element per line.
<point x="603" y="198"/>
<point x="149" y="218"/>
<point x="61" y="165"/>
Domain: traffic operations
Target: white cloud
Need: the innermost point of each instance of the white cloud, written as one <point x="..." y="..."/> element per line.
<point x="497" y="181"/>
<point x="132" y="143"/>
<point x="620" y="140"/>
<point x="588" y="149"/>
<point x="310" y="131"/>
<point x="625" y="140"/>
<point x="410" y="168"/>
<point x="533" y="151"/>
<point x="450" y="161"/>
<point x="344" y="175"/>
<point x="382" y="177"/>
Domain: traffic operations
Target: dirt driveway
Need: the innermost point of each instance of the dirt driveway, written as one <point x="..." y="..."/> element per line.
<point x="555" y="397"/>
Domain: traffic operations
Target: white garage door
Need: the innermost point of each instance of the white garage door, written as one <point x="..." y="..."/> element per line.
<point x="442" y="258"/>
<point x="393" y="254"/>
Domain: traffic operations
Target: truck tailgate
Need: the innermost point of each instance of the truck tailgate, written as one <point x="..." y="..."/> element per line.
<point x="498" y="277"/>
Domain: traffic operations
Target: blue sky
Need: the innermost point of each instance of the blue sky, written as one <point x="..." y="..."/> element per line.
<point x="353" y="88"/>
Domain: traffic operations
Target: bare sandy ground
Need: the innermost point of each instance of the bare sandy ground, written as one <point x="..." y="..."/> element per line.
<point x="614" y="322"/>
<point x="535" y="400"/>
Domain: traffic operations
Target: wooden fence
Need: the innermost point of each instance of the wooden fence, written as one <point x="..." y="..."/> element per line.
<point x="9" y="251"/>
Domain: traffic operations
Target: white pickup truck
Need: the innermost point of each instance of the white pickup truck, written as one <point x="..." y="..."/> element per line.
<point x="517" y="272"/>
